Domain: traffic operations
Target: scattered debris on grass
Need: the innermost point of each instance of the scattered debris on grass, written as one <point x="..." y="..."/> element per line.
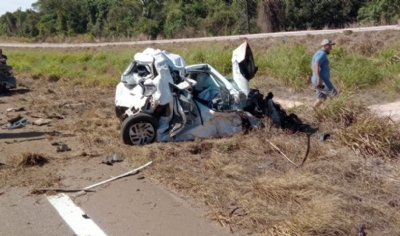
<point x="13" y="109"/>
<point x="59" y="134"/>
<point x="15" y="122"/>
<point x="41" y="121"/>
<point x="61" y="146"/>
<point x="110" y="159"/>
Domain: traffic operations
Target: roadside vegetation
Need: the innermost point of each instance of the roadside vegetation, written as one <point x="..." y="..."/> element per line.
<point x="358" y="61"/>
<point x="122" y="20"/>
<point x="245" y="184"/>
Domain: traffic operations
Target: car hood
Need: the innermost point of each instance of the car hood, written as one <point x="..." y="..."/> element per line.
<point x="243" y="67"/>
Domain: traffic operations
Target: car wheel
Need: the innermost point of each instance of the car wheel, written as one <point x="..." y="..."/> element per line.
<point x="4" y="89"/>
<point x="139" y="129"/>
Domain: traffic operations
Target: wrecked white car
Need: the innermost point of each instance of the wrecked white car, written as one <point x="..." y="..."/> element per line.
<point x="160" y="98"/>
<point x="7" y="79"/>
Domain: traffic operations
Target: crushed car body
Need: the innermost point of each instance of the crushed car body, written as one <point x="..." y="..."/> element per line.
<point x="160" y="98"/>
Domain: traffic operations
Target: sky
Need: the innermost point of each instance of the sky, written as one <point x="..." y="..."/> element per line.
<point x="13" y="5"/>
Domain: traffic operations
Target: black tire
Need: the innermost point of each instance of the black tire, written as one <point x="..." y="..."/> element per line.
<point x="148" y="129"/>
<point x="2" y="88"/>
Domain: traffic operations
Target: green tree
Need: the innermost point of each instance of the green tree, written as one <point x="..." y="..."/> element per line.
<point x="380" y="12"/>
<point x="318" y="14"/>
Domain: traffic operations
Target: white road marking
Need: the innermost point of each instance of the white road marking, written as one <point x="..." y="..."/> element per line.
<point x="73" y="216"/>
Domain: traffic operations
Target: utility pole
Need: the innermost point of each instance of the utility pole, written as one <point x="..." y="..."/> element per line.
<point x="247" y="17"/>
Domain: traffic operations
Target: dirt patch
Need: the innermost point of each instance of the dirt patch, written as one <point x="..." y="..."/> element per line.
<point x="389" y="109"/>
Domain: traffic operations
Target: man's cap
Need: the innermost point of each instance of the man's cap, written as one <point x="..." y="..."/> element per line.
<point x="326" y="42"/>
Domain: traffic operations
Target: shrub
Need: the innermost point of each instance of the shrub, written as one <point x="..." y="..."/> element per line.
<point x="292" y="65"/>
<point x="354" y="71"/>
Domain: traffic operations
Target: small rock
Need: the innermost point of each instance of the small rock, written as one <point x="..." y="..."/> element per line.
<point x="140" y="177"/>
<point x="394" y="203"/>
<point x="116" y="158"/>
<point x="63" y="148"/>
<point x="108" y="161"/>
<point x="41" y="122"/>
<point x="57" y="143"/>
<point x="15" y="109"/>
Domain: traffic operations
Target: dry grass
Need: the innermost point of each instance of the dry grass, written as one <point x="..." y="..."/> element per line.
<point x="332" y="194"/>
<point x="373" y="136"/>
<point x="30" y="159"/>
<point x="358" y="128"/>
<point x="31" y="170"/>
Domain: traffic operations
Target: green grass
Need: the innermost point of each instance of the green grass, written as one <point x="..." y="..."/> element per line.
<point x="82" y="67"/>
<point x="289" y="63"/>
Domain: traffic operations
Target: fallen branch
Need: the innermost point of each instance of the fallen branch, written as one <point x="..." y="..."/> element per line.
<point x="109" y="180"/>
<point x="40" y="190"/>
<point x="119" y="176"/>
<point x="283" y="154"/>
<point x="287" y="158"/>
<point x="24" y="140"/>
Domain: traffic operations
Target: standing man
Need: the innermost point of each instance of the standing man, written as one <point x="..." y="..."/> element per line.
<point x="321" y="72"/>
<point x="3" y="58"/>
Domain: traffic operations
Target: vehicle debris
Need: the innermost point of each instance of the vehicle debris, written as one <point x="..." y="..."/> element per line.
<point x="41" y="121"/>
<point x="7" y="79"/>
<point x="13" y="109"/>
<point x="360" y="230"/>
<point x="16" y="122"/>
<point x="111" y="159"/>
<point x="59" y="134"/>
<point x="324" y="136"/>
<point x="61" y="146"/>
<point x="55" y="116"/>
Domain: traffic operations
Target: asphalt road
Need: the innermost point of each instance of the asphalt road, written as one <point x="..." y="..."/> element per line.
<point x="127" y="206"/>
<point x="220" y="38"/>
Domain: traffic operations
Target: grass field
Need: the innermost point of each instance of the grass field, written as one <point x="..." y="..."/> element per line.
<point x="358" y="61"/>
<point x="351" y="179"/>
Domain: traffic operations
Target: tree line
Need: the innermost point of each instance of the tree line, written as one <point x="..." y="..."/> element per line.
<point x="190" y="18"/>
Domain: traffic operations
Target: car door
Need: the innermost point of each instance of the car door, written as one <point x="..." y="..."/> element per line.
<point x="243" y="67"/>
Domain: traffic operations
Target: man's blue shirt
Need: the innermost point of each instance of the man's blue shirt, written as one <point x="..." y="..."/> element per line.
<point x="321" y="57"/>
